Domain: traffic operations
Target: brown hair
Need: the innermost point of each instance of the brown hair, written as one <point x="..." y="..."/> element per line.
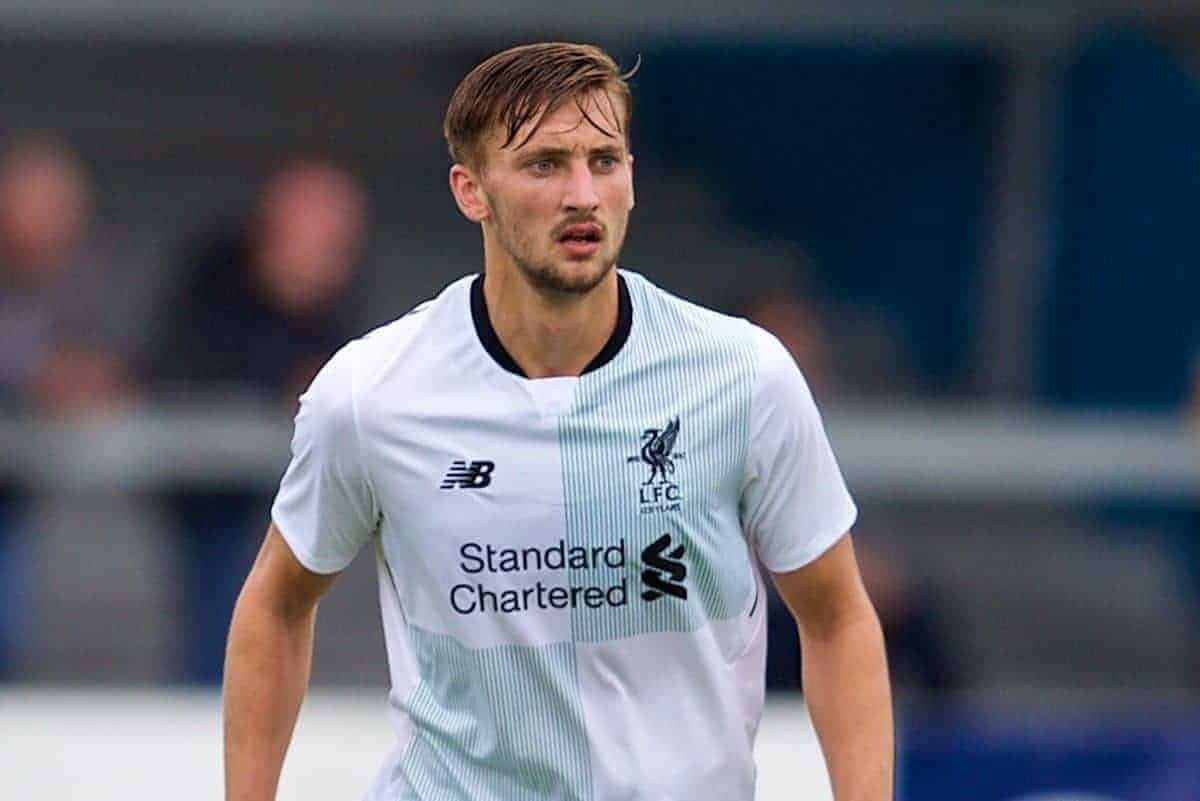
<point x="523" y="83"/>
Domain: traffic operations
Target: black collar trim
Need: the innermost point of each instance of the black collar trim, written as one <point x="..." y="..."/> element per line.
<point x="491" y="342"/>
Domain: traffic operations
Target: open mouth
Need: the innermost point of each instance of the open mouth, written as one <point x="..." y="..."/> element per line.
<point x="583" y="234"/>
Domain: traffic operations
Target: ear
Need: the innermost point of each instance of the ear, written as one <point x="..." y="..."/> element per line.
<point x="468" y="193"/>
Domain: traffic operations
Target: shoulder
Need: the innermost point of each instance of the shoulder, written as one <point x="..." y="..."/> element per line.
<point x="709" y="334"/>
<point x="327" y="407"/>
<point x="778" y="377"/>
<point x="380" y="354"/>
<point x="398" y="346"/>
<point x="667" y="314"/>
<point x="777" y="368"/>
<point x="781" y="391"/>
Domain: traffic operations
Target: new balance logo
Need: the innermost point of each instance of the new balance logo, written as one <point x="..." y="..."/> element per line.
<point x="664" y="574"/>
<point x="464" y="475"/>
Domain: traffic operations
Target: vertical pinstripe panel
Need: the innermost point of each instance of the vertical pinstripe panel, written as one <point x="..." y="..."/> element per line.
<point x="682" y="361"/>
<point x="498" y="724"/>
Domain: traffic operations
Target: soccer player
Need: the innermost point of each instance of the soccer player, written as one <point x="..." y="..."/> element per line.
<point x="569" y="478"/>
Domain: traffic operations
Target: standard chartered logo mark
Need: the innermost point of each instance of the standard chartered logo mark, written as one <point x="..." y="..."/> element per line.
<point x="665" y="573"/>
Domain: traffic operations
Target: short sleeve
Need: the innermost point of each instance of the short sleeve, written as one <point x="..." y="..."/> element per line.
<point x="794" y="503"/>
<point x="325" y="507"/>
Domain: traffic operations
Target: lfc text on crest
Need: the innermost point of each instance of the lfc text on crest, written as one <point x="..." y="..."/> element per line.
<point x="659" y="492"/>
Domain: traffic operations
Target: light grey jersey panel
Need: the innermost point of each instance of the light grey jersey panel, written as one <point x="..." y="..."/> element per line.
<point x="654" y="450"/>
<point x="496" y="724"/>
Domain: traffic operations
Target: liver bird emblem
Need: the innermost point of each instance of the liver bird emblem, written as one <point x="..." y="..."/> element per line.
<point x="657" y="444"/>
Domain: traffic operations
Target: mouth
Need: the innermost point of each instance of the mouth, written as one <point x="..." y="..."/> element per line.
<point x="581" y="240"/>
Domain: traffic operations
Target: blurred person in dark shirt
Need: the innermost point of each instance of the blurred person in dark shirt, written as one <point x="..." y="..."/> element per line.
<point x="918" y="654"/>
<point x="263" y="305"/>
<point x="54" y="356"/>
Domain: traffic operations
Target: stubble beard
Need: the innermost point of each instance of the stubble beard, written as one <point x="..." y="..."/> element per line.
<point x="546" y="276"/>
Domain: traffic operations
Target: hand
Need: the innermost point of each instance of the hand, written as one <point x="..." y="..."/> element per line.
<point x="73" y="380"/>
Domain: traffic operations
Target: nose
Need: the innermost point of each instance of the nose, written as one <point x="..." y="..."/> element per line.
<point x="580" y="194"/>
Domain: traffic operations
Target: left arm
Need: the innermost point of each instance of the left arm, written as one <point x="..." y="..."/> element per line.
<point x="845" y="672"/>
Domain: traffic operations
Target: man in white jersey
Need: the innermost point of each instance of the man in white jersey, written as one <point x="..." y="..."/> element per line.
<point x="569" y="478"/>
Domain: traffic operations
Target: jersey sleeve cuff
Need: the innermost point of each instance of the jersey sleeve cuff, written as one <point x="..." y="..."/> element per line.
<point x="817" y="546"/>
<point x="324" y="565"/>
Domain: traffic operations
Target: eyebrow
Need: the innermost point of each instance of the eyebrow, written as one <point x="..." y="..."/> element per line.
<point x="562" y="152"/>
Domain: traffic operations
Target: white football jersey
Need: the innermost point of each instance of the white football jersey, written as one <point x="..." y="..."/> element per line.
<point x="567" y="566"/>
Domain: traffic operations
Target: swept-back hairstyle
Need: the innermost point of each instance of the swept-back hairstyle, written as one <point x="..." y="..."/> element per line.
<point x="523" y="84"/>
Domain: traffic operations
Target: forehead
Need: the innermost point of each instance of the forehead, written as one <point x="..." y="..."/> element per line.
<point x="593" y="119"/>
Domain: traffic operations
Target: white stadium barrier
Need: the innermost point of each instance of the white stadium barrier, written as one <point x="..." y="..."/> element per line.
<point x="138" y="745"/>
<point x="921" y="452"/>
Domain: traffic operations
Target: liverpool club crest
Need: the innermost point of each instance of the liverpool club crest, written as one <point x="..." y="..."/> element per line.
<point x="659" y="492"/>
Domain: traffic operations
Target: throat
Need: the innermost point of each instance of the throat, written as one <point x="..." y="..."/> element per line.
<point x="555" y="344"/>
<point x="549" y="339"/>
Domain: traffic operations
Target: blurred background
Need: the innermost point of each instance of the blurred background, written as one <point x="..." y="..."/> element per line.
<point x="974" y="225"/>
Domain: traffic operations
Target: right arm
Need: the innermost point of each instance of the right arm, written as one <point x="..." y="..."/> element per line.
<point x="267" y="665"/>
<point x="324" y="513"/>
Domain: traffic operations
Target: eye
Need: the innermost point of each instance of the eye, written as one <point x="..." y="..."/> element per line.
<point x="606" y="163"/>
<point x="542" y="167"/>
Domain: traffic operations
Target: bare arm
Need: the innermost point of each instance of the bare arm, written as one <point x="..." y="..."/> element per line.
<point x="845" y="672"/>
<point x="267" y="664"/>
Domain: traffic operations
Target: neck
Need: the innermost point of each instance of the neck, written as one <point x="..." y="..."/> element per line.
<point x="550" y="335"/>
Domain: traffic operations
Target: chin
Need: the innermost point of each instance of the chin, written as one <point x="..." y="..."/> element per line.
<point x="572" y="278"/>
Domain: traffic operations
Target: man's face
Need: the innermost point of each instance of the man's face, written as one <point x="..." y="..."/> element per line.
<point x="43" y="210"/>
<point x="309" y="229"/>
<point x="558" y="205"/>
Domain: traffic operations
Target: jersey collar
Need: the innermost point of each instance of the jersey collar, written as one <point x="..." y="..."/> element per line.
<point x="491" y="342"/>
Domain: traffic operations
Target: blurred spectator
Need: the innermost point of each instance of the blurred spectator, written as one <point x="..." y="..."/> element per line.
<point x="54" y="356"/>
<point x="918" y="654"/>
<point x="262" y="307"/>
